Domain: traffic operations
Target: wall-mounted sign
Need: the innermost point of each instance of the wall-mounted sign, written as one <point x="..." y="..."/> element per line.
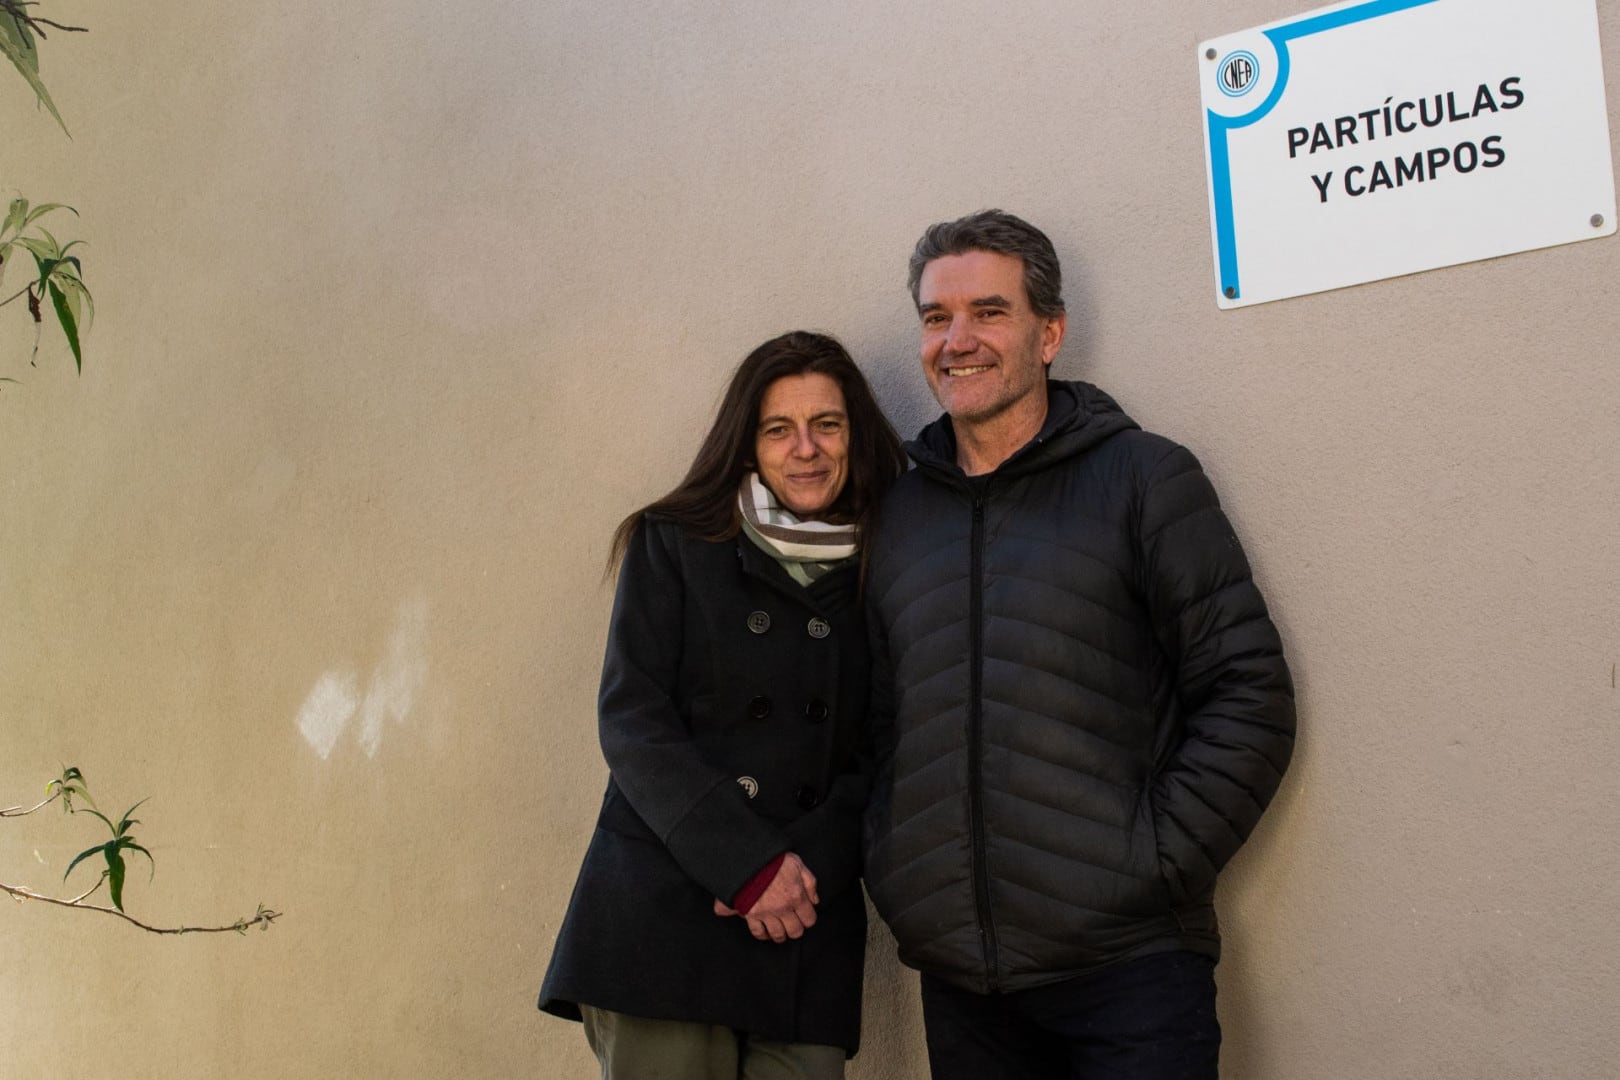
<point x="1383" y="137"/>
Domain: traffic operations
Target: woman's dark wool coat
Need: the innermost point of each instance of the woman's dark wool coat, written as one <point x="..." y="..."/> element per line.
<point x="731" y="710"/>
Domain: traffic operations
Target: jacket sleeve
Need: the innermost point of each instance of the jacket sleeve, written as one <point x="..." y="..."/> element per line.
<point x="696" y="809"/>
<point x="1233" y="689"/>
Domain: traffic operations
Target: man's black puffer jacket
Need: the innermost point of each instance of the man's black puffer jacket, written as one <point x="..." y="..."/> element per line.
<point x="1081" y="708"/>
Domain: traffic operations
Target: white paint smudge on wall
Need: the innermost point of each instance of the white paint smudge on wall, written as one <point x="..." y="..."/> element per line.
<point x="398" y="679"/>
<point x="327" y="710"/>
<point x="393" y="689"/>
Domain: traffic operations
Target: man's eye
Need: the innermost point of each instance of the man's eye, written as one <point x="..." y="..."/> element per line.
<point x="933" y="320"/>
<point x="775" y="432"/>
<point x="830" y="426"/>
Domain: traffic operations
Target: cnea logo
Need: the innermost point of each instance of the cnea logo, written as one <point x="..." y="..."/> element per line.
<point x="1238" y="73"/>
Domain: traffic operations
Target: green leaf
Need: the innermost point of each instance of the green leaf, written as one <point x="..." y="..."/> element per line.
<point x="16" y="217"/>
<point x="16" y="38"/>
<point x="115" y="876"/>
<point x="79" y="302"/>
<point x="126" y="842"/>
<point x="45" y="208"/>
<point x="17" y="43"/>
<point x="71" y="782"/>
<point x="123" y="826"/>
<point x="110" y="827"/>
<point x="72" y="289"/>
<point x="83" y="855"/>
<point x="40" y="249"/>
<point x="70" y="325"/>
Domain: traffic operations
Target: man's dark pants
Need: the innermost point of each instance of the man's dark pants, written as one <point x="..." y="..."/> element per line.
<point x="1146" y="1019"/>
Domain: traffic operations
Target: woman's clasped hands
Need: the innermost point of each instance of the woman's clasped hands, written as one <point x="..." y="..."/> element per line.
<point x="787" y="907"/>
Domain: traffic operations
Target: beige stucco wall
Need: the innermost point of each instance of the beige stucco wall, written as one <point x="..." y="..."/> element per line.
<point x="403" y="306"/>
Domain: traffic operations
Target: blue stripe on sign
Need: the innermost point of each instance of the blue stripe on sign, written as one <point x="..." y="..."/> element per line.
<point x="1219" y="159"/>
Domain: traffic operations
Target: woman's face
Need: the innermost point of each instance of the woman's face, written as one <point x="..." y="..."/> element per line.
<point x="802" y="442"/>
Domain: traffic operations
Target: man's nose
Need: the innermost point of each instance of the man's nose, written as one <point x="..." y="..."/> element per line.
<point x="959" y="337"/>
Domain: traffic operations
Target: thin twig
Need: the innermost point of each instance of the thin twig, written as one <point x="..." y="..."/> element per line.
<point x="15" y="8"/>
<point x="264" y="916"/>
<point x="13" y="296"/>
<point x="86" y="894"/>
<point x="17" y="811"/>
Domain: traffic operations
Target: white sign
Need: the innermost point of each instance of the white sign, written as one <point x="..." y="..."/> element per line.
<point x="1383" y="137"/>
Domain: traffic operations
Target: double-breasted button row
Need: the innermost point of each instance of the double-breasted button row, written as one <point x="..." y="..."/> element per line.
<point x="815" y="710"/>
<point x="760" y="621"/>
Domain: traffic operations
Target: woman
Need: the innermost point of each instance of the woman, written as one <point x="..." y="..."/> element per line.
<point x="717" y="929"/>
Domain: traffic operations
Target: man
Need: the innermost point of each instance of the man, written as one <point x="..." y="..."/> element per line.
<point x="1081" y="708"/>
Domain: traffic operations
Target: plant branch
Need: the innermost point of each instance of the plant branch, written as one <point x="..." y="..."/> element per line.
<point x="19" y="292"/>
<point x="263" y="917"/>
<point x="59" y="26"/>
<point x="17" y="811"/>
<point x="86" y="894"/>
<point x="15" y="9"/>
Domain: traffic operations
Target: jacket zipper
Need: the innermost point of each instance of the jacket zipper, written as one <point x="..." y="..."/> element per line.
<point x="981" y="877"/>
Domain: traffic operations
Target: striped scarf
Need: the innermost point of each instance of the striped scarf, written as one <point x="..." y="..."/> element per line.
<point x="806" y="549"/>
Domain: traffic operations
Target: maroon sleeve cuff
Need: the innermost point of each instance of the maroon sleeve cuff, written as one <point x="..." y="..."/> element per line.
<point x="749" y="894"/>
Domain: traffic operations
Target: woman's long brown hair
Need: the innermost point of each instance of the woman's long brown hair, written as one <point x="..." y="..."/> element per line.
<point x="705" y="501"/>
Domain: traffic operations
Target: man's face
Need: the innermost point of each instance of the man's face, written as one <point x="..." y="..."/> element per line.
<point x="984" y="351"/>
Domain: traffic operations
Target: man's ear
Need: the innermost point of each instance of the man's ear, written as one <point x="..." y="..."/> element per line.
<point x="1052" y="336"/>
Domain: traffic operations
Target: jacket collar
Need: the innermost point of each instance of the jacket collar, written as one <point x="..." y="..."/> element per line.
<point x="1078" y="417"/>
<point x="825" y="596"/>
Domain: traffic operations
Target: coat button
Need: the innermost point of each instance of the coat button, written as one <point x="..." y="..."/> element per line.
<point x="819" y="627"/>
<point x="808" y="797"/>
<point x="760" y="707"/>
<point x="816" y="711"/>
<point x="759" y="622"/>
<point x="749" y="785"/>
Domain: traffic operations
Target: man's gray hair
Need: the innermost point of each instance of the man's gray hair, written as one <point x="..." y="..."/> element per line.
<point x="1005" y="234"/>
